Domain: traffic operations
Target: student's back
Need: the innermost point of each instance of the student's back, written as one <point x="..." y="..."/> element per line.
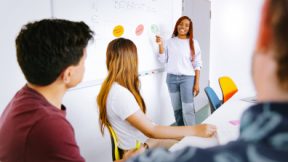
<point x="120" y="105"/>
<point x="29" y="123"/>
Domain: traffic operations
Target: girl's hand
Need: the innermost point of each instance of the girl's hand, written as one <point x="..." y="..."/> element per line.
<point x="131" y="153"/>
<point x="205" y="130"/>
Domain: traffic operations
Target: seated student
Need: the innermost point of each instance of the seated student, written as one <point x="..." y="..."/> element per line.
<point x="122" y="106"/>
<point x="33" y="127"/>
<point x="264" y="126"/>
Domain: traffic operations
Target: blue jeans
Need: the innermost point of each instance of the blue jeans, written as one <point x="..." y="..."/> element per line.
<point x="181" y="94"/>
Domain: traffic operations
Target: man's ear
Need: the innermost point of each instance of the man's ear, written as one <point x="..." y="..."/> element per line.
<point x="66" y="75"/>
<point x="265" y="30"/>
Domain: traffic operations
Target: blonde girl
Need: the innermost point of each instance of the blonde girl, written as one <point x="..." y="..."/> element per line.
<point x="122" y="106"/>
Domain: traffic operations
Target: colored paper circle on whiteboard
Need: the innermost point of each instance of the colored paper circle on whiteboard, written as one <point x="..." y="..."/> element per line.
<point x="118" y="31"/>
<point x="139" y="29"/>
<point x="155" y="29"/>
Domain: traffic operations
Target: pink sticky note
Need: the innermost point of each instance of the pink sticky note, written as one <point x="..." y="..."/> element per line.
<point x="234" y="122"/>
<point x="139" y="30"/>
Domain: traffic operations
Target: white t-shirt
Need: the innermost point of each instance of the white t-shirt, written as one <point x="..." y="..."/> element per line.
<point x="120" y="105"/>
<point x="177" y="57"/>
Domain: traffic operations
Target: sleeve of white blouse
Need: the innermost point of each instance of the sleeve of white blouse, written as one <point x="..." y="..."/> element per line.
<point x="124" y="104"/>
<point x="197" y="64"/>
<point x="163" y="58"/>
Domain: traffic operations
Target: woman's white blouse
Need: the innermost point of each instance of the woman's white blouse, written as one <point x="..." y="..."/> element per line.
<point x="177" y="57"/>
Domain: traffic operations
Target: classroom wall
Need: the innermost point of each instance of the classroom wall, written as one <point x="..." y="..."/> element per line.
<point x="13" y="14"/>
<point x="199" y="12"/>
<point x="234" y="25"/>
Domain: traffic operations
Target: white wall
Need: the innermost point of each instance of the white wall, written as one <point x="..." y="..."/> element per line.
<point x="234" y="27"/>
<point x="14" y="14"/>
<point x="199" y="12"/>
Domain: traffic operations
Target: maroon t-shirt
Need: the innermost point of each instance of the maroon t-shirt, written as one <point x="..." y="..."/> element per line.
<point x="33" y="130"/>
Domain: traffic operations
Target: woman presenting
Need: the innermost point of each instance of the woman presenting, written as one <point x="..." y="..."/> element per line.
<point x="182" y="56"/>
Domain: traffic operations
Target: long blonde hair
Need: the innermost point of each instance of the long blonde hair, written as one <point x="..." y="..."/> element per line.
<point x="122" y="65"/>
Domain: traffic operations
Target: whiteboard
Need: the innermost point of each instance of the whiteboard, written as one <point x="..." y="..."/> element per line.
<point x="156" y="16"/>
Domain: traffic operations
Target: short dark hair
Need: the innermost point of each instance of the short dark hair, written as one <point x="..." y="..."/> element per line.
<point x="46" y="48"/>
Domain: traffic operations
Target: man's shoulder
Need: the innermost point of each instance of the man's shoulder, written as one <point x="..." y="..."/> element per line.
<point x="27" y="101"/>
<point x="25" y="110"/>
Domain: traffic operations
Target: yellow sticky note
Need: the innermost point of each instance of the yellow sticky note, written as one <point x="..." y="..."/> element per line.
<point x="118" y="31"/>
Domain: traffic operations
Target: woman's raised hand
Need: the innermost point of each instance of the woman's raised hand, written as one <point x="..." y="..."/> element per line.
<point x="159" y="40"/>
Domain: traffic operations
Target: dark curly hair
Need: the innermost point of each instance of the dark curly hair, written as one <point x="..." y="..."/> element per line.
<point x="45" y="48"/>
<point x="278" y="9"/>
<point x="189" y="34"/>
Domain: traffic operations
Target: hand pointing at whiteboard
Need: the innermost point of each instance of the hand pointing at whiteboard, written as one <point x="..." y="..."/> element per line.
<point x="159" y="41"/>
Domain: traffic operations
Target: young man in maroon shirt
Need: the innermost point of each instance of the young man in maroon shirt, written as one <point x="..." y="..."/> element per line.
<point x="33" y="127"/>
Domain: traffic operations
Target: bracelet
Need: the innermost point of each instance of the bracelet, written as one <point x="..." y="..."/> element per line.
<point x="146" y="146"/>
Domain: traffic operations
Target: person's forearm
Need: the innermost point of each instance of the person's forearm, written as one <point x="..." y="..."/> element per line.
<point x="170" y="132"/>
<point x="161" y="49"/>
<point x="197" y="76"/>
